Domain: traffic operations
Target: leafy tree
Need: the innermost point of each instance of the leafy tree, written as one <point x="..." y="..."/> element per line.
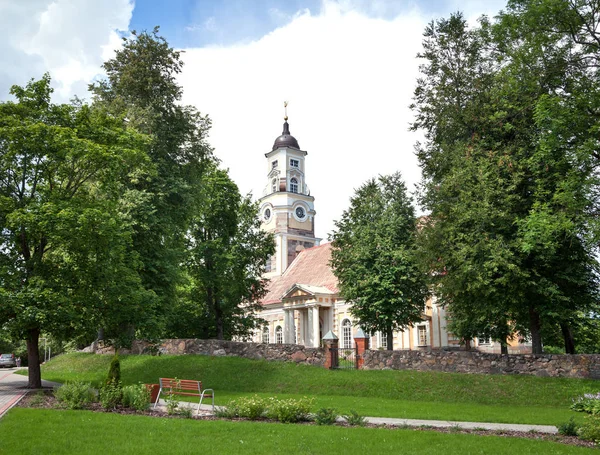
<point x="374" y="257"/>
<point x="141" y="85"/>
<point x="228" y="253"/>
<point x="507" y="186"/>
<point x="65" y="264"/>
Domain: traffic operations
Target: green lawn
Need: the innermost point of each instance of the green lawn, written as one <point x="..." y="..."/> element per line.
<point x="37" y="431"/>
<point x="405" y="394"/>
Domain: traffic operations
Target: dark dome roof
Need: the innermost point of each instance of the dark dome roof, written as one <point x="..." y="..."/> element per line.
<point x="286" y="139"/>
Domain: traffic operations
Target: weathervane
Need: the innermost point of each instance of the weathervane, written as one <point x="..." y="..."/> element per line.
<point x="285" y="103"/>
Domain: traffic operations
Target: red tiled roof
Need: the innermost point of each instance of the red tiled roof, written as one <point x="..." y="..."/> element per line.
<point x="310" y="267"/>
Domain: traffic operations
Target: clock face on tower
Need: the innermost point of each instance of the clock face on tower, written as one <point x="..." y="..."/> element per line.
<point x="267" y="214"/>
<point x="300" y="213"/>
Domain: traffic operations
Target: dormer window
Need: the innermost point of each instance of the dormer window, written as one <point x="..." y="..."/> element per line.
<point x="294" y="163"/>
<point x="274" y="164"/>
<point x="293" y="185"/>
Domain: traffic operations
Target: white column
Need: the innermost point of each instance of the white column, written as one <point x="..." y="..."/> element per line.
<point x="288" y="334"/>
<point x="302" y="327"/>
<point x="315" y="326"/>
<point x="310" y="339"/>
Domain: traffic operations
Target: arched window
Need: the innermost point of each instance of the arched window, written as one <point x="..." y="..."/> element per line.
<point x="274" y="185"/>
<point x="279" y="335"/>
<point x="265" y="335"/>
<point x="346" y="333"/>
<point x="294" y="185"/>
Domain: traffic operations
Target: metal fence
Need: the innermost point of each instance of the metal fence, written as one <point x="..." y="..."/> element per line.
<point x="344" y="358"/>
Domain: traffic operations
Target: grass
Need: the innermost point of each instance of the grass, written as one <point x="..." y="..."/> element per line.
<point x="388" y="393"/>
<point x="31" y="431"/>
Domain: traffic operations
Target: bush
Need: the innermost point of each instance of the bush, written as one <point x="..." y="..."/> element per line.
<point x="136" y="397"/>
<point x="111" y="395"/>
<point x="288" y="411"/>
<point x="172" y="403"/>
<point x="75" y="394"/>
<point x="568" y="428"/>
<point x="590" y="429"/>
<point x="590" y="403"/>
<point x="114" y="372"/>
<point x="326" y="416"/>
<point x="355" y="419"/>
<point x="252" y="408"/>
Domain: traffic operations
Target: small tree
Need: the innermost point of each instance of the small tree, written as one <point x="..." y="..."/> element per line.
<point x="374" y="257"/>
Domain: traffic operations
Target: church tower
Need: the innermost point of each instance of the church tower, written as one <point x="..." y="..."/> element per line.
<point x="287" y="208"/>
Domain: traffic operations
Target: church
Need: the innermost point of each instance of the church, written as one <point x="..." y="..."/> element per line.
<point x="303" y="301"/>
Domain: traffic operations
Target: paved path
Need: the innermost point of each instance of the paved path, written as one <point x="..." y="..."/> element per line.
<point x="11" y="391"/>
<point x="12" y="388"/>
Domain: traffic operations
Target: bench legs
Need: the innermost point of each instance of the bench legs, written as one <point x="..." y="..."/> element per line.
<point x="202" y="397"/>
<point x="157" y="398"/>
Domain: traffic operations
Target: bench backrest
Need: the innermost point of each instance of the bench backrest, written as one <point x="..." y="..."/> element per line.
<point x="180" y="384"/>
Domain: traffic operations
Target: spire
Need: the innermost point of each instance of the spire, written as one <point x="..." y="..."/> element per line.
<point x="286" y="139"/>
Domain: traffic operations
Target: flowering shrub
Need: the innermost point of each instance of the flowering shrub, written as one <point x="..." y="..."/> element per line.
<point x="248" y="407"/>
<point x="256" y="407"/>
<point x="289" y="411"/>
<point x="136" y="397"/>
<point x="590" y="403"/>
<point x="75" y="395"/>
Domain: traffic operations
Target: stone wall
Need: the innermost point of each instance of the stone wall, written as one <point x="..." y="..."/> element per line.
<point x="282" y="352"/>
<point x="566" y="366"/>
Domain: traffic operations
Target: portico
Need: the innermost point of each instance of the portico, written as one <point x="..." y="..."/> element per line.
<point x="308" y="314"/>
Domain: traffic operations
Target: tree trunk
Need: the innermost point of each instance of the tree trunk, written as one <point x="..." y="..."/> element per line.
<point x="389" y="334"/>
<point x="219" y="322"/>
<point x="504" y="348"/>
<point x="33" y="354"/>
<point x="568" y="336"/>
<point x="534" y="327"/>
<point x="467" y="344"/>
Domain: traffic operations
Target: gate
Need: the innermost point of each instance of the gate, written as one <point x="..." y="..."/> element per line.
<point x="344" y="358"/>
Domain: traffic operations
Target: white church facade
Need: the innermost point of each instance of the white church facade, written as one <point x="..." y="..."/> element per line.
<point x="303" y="301"/>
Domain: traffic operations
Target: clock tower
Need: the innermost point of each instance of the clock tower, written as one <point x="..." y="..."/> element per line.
<point x="287" y="208"/>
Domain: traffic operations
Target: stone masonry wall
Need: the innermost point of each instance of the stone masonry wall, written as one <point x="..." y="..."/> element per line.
<point x="566" y="366"/>
<point x="282" y="352"/>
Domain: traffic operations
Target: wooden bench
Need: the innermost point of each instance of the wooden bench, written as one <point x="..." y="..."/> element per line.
<point x="184" y="387"/>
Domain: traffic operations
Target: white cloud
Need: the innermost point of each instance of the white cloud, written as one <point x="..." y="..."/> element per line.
<point x="68" y="38"/>
<point x="348" y="79"/>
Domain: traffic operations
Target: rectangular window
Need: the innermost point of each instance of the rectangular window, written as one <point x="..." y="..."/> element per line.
<point x="294" y="163"/>
<point x="422" y="335"/>
<point x="382" y="340"/>
<point x="274" y="164"/>
<point x="484" y="340"/>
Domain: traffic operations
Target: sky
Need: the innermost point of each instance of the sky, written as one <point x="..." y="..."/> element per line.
<point x="347" y="68"/>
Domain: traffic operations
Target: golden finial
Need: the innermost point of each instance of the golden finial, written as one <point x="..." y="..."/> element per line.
<point x="285" y="103"/>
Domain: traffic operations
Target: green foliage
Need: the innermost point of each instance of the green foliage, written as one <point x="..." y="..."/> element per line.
<point x="569" y="428"/>
<point x="110" y="395"/>
<point x="355" y="419"/>
<point x="589" y="403"/>
<point x="227" y="256"/>
<point x="590" y="429"/>
<point x="290" y="410"/>
<point x="114" y="372"/>
<point x="136" y="396"/>
<point x="326" y="416"/>
<point x="75" y="394"/>
<point x="141" y="86"/>
<point x="374" y="257"/>
<point x="172" y="401"/>
<point x="252" y="408"/>
<point x="186" y="412"/>
<point x="64" y="260"/>
<point x="510" y="175"/>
